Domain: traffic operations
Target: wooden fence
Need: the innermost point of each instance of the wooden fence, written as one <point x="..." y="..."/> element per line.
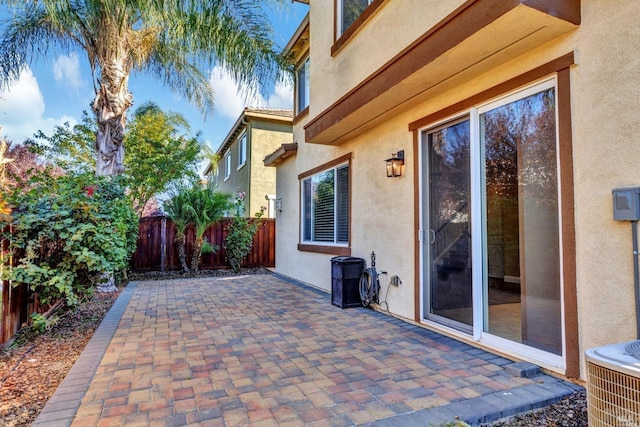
<point x="156" y="250"/>
<point x="16" y="301"/>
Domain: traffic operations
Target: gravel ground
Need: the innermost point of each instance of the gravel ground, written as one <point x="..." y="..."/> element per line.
<point x="569" y="412"/>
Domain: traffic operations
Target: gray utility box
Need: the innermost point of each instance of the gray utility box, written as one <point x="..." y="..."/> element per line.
<point x="345" y="281"/>
<point x="626" y="204"/>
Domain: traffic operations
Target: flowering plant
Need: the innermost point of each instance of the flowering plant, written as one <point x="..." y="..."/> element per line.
<point x="240" y="233"/>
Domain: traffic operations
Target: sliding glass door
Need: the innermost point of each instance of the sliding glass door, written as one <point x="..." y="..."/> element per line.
<point x="449" y="225"/>
<point x="521" y="221"/>
<point x="490" y="182"/>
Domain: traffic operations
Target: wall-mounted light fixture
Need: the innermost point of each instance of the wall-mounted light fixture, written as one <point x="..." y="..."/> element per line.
<point x="394" y="164"/>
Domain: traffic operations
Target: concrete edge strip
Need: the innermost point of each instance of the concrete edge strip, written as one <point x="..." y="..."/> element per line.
<point x="62" y="407"/>
<point x="490" y="407"/>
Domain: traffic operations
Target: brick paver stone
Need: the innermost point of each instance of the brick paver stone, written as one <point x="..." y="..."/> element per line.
<point x="265" y="350"/>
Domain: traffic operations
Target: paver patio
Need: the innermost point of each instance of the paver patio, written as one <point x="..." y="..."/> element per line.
<point x="267" y="351"/>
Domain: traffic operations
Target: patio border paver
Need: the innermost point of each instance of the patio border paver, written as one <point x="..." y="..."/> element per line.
<point x="63" y="405"/>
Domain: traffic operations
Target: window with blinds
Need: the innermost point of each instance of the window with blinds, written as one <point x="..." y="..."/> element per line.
<point x="326" y="206"/>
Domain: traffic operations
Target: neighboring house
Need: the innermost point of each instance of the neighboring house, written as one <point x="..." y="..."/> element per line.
<point x="240" y="168"/>
<point x="516" y="119"/>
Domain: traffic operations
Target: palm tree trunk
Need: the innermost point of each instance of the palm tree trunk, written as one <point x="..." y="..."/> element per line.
<point x="110" y="156"/>
<point x="110" y="106"/>
<point x="197" y="252"/>
<point x="182" y="256"/>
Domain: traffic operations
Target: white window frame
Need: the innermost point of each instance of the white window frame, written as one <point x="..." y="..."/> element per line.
<point x="215" y="172"/>
<point x="548" y="360"/>
<point x="339" y="14"/>
<point x="303" y="231"/>
<point x="227" y="165"/>
<point x="302" y="85"/>
<point x="242" y="150"/>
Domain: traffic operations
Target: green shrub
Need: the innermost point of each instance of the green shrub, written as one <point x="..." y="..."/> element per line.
<point x="240" y="234"/>
<point x="67" y="231"/>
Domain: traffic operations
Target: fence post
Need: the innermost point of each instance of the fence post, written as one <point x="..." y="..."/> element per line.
<point x="163" y="243"/>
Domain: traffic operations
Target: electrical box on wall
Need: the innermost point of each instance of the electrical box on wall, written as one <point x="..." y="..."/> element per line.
<point x="626" y="204"/>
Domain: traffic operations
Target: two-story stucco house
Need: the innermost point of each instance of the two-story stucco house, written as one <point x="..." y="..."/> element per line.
<point x="240" y="168"/>
<point x="515" y="120"/>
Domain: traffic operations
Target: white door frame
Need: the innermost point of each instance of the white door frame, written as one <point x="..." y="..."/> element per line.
<point x="478" y="233"/>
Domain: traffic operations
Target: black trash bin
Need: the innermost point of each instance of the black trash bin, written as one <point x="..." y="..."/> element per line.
<point x="345" y="281"/>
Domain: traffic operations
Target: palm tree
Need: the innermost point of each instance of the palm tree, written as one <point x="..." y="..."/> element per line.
<point x="206" y="208"/>
<point x="171" y="40"/>
<point x="178" y="210"/>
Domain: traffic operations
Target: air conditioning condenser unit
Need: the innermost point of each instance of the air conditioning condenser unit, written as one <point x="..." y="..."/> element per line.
<point x="613" y="385"/>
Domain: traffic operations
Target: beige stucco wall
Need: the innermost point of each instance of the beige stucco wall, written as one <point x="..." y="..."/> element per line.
<point x="606" y="151"/>
<point x="265" y="138"/>
<point x="394" y="26"/>
<point x="254" y="178"/>
<point x="239" y="178"/>
<point x="605" y="93"/>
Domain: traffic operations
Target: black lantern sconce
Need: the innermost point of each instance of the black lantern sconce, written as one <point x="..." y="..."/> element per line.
<point x="394" y="164"/>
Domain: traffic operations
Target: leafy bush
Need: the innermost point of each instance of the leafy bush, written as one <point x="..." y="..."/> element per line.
<point x="240" y="233"/>
<point x="68" y="230"/>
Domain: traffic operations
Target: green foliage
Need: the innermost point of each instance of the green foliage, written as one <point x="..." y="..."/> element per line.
<point x="201" y="207"/>
<point x="172" y="41"/>
<point x="206" y="208"/>
<point x="39" y="323"/>
<point x="208" y="248"/>
<point x="240" y="234"/>
<point x="70" y="148"/>
<point x="177" y="209"/>
<point x="156" y="141"/>
<point x="68" y="230"/>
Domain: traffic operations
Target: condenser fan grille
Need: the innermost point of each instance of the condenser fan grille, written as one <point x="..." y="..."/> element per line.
<point x="633" y="348"/>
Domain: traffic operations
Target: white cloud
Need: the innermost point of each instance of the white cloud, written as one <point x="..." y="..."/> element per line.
<point x="22" y="108"/>
<point x="282" y="96"/>
<point x="66" y="70"/>
<point x="230" y="101"/>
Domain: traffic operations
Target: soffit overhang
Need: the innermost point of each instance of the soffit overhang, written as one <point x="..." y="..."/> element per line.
<point x="474" y="39"/>
<point x="283" y="152"/>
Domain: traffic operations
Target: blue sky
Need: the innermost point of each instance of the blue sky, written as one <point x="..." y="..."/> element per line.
<point x="57" y="89"/>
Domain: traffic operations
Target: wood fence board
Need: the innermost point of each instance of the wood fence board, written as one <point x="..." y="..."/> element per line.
<point x="15" y="299"/>
<point x="148" y="256"/>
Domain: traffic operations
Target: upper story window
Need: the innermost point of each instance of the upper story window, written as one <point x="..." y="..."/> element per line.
<point x="348" y="12"/>
<point x="227" y="165"/>
<point x="213" y="176"/>
<point x="325" y="206"/>
<point x="242" y="150"/>
<point x="302" y="86"/>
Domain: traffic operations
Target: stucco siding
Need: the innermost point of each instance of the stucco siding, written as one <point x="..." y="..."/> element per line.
<point x="265" y="139"/>
<point x="606" y="152"/>
<point x="605" y="107"/>
<point x="380" y="38"/>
